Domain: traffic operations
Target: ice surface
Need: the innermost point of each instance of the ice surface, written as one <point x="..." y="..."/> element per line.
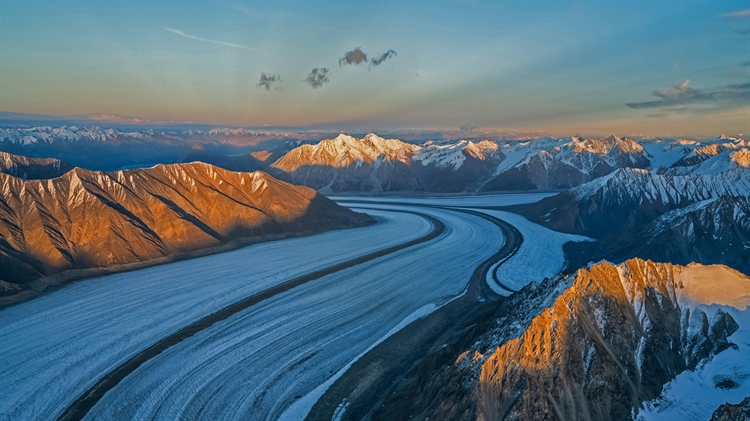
<point x="273" y="355"/>
<point x="55" y="346"/>
<point x="540" y="256"/>
<point x="260" y="361"/>
<point x="459" y="201"/>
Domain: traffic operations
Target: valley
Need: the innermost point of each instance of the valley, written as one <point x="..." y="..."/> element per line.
<point x="372" y="298"/>
<point x="384" y="303"/>
<point x="374" y="210"/>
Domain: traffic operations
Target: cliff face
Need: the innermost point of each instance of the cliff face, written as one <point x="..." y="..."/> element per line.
<point x="88" y="219"/>
<point x="609" y="342"/>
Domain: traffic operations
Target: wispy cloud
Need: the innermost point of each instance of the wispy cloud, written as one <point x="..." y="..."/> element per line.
<point x="228" y="44"/>
<point x="738" y="14"/>
<point x="317" y="77"/>
<point x="681" y="97"/>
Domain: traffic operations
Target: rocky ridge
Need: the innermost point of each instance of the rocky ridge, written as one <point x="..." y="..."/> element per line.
<point x="87" y="219"/>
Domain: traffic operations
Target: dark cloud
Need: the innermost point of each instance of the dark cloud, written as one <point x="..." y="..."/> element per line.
<point x="383" y="57"/>
<point x="682" y="94"/>
<point x="268" y="81"/>
<point x="355" y="56"/>
<point x="317" y="77"/>
<point x="745" y="64"/>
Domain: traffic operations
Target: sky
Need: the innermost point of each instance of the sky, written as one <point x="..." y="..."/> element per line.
<point x="561" y="67"/>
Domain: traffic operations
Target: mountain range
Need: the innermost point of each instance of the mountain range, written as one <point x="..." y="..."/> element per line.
<point x="86" y="219"/>
<point x="374" y="164"/>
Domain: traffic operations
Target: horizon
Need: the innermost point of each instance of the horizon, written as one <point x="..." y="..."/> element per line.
<point x="425" y="134"/>
<point x="655" y="69"/>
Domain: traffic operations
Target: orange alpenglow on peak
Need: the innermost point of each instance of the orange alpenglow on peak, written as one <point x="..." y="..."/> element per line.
<point x="88" y="219"/>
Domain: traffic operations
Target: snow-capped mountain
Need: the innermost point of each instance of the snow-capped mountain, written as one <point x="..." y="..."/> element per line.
<point x="456" y="166"/>
<point x="628" y="197"/>
<point x="111" y="149"/>
<point x="712" y="159"/>
<point x="373" y="163"/>
<point x="47" y="134"/>
<point x="87" y="219"/>
<point x="540" y="171"/>
<point x="550" y="163"/>
<point x="32" y="168"/>
<point x="593" y="345"/>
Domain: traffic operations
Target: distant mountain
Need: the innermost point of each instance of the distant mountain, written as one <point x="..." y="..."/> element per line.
<point x="629" y="197"/>
<point x="111" y="149"/>
<point x="711" y="159"/>
<point x="461" y="166"/>
<point x="557" y="164"/>
<point x="373" y="164"/>
<point x="86" y="219"/>
<point x="32" y="168"/>
<point x="541" y="171"/>
<point x="590" y="346"/>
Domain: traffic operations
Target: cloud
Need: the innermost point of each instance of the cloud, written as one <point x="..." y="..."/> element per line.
<point x="355" y="57"/>
<point x="266" y="81"/>
<point x="317" y="77"/>
<point x="745" y="64"/>
<point x="468" y="128"/>
<point x="228" y="44"/>
<point x="383" y="57"/>
<point x="740" y="14"/>
<point x="419" y="73"/>
<point x="672" y="97"/>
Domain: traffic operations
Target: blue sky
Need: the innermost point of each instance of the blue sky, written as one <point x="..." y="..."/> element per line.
<point x="556" y="66"/>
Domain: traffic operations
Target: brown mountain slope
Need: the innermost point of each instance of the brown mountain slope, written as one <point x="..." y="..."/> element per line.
<point x="609" y="341"/>
<point x="88" y="219"/>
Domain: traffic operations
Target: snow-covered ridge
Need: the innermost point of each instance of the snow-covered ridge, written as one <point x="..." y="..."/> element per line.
<point x="637" y="184"/>
<point x="47" y="134"/>
<point x="345" y="150"/>
<point x="453" y="155"/>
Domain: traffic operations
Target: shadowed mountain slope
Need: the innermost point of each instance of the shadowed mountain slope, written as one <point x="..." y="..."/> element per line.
<point x="32" y="168"/>
<point x="629" y="197"/>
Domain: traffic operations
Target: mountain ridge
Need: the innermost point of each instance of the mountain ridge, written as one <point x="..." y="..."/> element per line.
<point x="87" y="219"/>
